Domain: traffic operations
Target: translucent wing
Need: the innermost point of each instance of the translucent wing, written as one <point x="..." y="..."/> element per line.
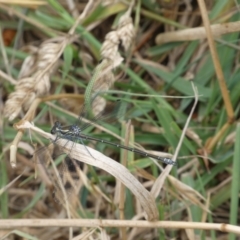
<point x="104" y="116"/>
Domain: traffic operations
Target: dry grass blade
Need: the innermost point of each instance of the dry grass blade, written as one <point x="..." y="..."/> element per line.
<point x="26" y="3"/>
<point x="221" y="79"/>
<point x="80" y="153"/>
<point x="104" y="235"/>
<point x="198" y="33"/>
<point x="2" y="190"/>
<point x="188" y="193"/>
<point x="10" y="223"/>
<point x="3" y="75"/>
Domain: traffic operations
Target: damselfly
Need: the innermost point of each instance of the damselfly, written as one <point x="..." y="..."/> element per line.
<point x="68" y="173"/>
<point x="75" y="133"/>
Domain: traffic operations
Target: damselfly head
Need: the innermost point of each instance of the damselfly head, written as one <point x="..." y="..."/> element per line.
<point x="56" y="127"/>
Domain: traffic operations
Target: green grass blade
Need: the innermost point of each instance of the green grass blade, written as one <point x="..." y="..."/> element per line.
<point x="235" y="183"/>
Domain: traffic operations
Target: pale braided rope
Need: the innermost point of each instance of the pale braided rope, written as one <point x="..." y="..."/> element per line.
<point x="36" y="70"/>
<point x="103" y="77"/>
<point x="34" y="77"/>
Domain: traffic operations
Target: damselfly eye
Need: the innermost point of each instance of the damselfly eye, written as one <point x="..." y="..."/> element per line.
<point x="56" y="127"/>
<point x="53" y="130"/>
